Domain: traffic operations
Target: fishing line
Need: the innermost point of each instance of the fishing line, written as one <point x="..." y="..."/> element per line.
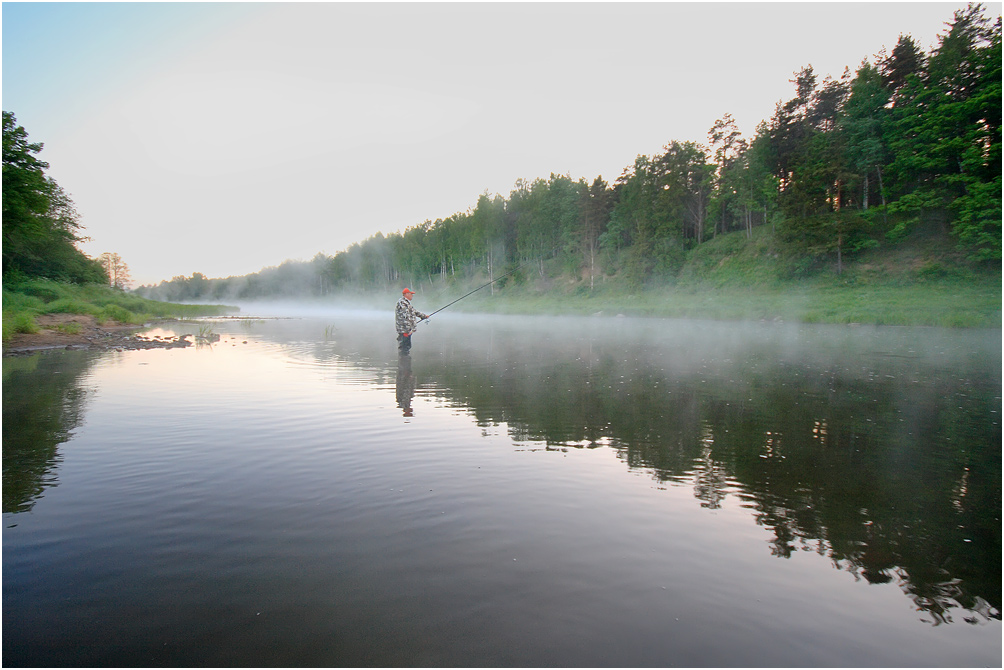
<point x="519" y="267"/>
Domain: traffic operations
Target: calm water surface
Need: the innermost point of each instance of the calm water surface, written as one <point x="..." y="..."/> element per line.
<point x="533" y="492"/>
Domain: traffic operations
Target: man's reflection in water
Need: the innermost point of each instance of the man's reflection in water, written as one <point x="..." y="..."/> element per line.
<point x="405" y="384"/>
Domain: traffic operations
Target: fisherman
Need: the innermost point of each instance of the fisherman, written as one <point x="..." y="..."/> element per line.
<point x="406" y="319"/>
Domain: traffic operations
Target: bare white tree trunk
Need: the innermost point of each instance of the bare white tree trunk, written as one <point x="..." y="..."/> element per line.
<point x="491" y="274"/>
<point x="592" y="265"/>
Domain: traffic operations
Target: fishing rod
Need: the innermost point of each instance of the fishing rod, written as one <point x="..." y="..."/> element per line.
<point x="480" y="287"/>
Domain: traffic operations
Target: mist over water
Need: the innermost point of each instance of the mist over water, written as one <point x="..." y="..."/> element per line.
<point x="517" y="491"/>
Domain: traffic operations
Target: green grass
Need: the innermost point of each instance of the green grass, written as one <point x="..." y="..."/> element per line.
<point x="22" y="322"/>
<point x="952" y="306"/>
<point x="71" y="328"/>
<point x="19" y="312"/>
<point x="917" y="283"/>
<point x="113" y="312"/>
<point x="70" y="306"/>
<point x="23" y="301"/>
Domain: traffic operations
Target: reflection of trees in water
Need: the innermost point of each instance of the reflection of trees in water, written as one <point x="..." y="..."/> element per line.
<point x="711" y="478"/>
<point x="42" y="403"/>
<point x="888" y="462"/>
<point x="891" y="470"/>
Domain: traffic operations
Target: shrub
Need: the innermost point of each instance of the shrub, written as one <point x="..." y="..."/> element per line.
<point x="72" y="328"/>
<point x="18" y="302"/>
<point x="46" y="291"/>
<point x="118" y="313"/>
<point x="69" y="306"/>
<point x="23" y="322"/>
<point x="933" y="270"/>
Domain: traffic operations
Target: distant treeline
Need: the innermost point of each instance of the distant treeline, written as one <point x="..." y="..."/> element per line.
<point x="854" y="162"/>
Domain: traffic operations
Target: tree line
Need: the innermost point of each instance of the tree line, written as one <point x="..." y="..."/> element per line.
<point x="910" y="140"/>
<point x="41" y="225"/>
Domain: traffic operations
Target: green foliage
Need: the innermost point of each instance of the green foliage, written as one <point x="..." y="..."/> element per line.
<point x="19" y="311"/>
<point x="933" y="270"/>
<point x="40" y="225"/>
<point x="735" y="260"/>
<point x="909" y="144"/>
<point x="21" y="304"/>
<point x="669" y="256"/>
<point x="120" y="314"/>
<point x="20" y="323"/>
<point x="44" y="290"/>
<point x="71" y="306"/>
<point x="71" y="328"/>
<point x="944" y="134"/>
<point x="978" y="225"/>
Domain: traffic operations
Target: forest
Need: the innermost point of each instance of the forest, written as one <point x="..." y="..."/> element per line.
<point x="41" y="226"/>
<point x="911" y="141"/>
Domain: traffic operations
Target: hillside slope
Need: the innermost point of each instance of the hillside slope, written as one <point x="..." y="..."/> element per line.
<point x="922" y="280"/>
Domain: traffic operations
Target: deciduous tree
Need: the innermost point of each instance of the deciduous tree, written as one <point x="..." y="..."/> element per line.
<point x="117" y="270"/>
<point x="40" y="225"/>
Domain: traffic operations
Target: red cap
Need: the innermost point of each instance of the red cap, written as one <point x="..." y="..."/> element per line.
<point x="407" y="291"/>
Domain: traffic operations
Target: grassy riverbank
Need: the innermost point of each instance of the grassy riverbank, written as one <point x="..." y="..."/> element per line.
<point x="25" y="301"/>
<point x="944" y="304"/>
<point x="920" y="282"/>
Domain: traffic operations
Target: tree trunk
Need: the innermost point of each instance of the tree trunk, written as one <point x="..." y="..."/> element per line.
<point x="491" y="270"/>
<point x="700" y="220"/>
<point x="840" y="262"/>
<point x="592" y="265"/>
<point x="885" y="217"/>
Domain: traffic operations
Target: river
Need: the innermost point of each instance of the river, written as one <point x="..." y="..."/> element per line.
<point x="516" y="492"/>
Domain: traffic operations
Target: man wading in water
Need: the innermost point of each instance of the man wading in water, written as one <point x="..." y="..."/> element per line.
<point x="406" y="320"/>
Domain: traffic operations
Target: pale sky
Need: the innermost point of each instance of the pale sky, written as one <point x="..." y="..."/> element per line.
<point x="224" y="138"/>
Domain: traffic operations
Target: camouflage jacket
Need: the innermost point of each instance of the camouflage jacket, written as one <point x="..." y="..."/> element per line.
<point x="407" y="317"/>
